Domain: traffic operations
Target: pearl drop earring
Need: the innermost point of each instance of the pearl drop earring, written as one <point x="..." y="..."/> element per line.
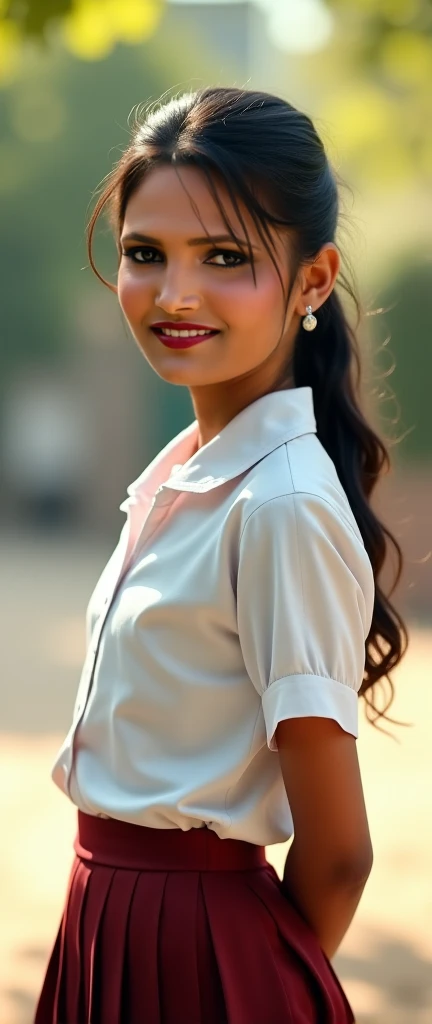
<point x="309" y="322"/>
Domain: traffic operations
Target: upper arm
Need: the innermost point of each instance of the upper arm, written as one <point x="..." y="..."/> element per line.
<point x="305" y="596"/>
<point x="322" y="778"/>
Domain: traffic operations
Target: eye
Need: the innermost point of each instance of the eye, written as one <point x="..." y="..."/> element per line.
<point x="228" y="254"/>
<point x="131" y="253"/>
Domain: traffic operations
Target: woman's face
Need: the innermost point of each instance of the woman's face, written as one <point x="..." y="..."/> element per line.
<point x="170" y="278"/>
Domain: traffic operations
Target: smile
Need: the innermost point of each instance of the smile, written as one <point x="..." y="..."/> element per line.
<point x="172" y="338"/>
<point x="181" y="334"/>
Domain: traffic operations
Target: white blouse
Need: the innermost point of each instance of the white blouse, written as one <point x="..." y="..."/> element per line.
<point x="240" y="593"/>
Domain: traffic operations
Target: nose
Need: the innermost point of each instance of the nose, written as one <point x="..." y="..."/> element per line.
<point x="173" y="297"/>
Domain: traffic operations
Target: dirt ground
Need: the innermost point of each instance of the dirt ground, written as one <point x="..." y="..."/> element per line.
<point x="385" y="960"/>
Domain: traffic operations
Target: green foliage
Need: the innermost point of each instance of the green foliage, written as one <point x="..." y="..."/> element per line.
<point x="390" y="40"/>
<point x="384" y="15"/>
<point x="374" y="98"/>
<point x="405" y="354"/>
<point x="63" y="124"/>
<point x="47" y="184"/>
<point x="89" y="29"/>
<point x="33" y="16"/>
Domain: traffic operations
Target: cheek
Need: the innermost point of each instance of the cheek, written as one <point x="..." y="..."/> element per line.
<point x="133" y="295"/>
<point x="261" y="304"/>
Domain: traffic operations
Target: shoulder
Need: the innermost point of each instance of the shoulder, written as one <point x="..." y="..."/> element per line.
<point x="301" y="541"/>
<point x="298" y="479"/>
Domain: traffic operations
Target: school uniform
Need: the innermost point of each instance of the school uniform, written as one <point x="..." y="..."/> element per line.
<point x="239" y="594"/>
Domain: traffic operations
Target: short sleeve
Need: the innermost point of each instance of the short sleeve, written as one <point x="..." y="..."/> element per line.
<point x="305" y="595"/>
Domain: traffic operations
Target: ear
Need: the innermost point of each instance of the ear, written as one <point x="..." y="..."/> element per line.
<point x="319" y="279"/>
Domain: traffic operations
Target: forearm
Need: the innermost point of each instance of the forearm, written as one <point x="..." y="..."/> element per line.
<point x="327" y="902"/>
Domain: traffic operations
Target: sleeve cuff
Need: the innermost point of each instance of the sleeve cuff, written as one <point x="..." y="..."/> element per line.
<point x="297" y="696"/>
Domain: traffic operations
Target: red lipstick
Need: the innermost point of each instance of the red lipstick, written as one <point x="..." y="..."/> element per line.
<point x="181" y="325"/>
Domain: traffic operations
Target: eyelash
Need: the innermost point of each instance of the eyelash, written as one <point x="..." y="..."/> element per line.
<point x="130" y="253"/>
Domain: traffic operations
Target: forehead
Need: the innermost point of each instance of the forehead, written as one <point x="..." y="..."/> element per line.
<point x="174" y="202"/>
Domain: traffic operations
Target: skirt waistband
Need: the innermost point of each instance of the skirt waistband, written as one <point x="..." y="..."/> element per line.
<point x="125" y="845"/>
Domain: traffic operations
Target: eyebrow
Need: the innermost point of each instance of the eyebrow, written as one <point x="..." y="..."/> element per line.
<point x="135" y="236"/>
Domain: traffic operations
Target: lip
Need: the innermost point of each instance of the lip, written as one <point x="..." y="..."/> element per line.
<point x="182" y="325"/>
<point x="179" y="326"/>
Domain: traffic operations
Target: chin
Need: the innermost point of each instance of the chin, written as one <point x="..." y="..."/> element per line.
<point x="172" y="374"/>
<point x="178" y="368"/>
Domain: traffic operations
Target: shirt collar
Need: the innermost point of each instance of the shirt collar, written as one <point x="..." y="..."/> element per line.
<point x="256" y="431"/>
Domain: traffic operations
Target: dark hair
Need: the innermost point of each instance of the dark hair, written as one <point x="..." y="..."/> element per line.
<point x="269" y="155"/>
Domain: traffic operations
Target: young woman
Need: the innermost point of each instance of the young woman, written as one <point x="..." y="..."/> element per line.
<point x="240" y="617"/>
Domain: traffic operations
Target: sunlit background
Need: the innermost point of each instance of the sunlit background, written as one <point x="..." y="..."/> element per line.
<point x="81" y="413"/>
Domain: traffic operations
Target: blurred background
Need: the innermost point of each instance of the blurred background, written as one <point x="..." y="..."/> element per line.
<point x="81" y="413"/>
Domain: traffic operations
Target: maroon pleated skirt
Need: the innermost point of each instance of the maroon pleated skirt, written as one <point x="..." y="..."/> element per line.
<point x="165" y="926"/>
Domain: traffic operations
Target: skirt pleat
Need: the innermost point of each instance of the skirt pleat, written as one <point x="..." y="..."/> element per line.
<point x="296" y="935"/>
<point x="50" y="998"/>
<point x="217" y="942"/>
<point x="144" y="979"/>
<point x="178" y="948"/>
<point x="263" y="969"/>
<point x="71" y="996"/>
<point x="213" y="1007"/>
<point x="98" y="891"/>
<point x="113" y="954"/>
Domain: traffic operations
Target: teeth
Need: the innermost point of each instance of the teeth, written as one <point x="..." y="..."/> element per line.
<point x="183" y="334"/>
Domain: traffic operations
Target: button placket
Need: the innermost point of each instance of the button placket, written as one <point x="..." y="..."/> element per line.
<point x="90" y="662"/>
<point x="156" y="513"/>
<point x="86" y="682"/>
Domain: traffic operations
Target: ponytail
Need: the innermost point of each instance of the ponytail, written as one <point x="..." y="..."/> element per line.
<point x="325" y="360"/>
